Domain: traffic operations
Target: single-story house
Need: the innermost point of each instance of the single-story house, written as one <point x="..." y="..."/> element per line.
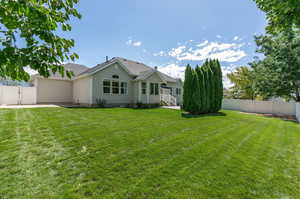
<point x="118" y="81"/>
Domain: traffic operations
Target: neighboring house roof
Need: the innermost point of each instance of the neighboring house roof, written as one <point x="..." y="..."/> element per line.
<point x="140" y="70"/>
<point x="75" y="68"/>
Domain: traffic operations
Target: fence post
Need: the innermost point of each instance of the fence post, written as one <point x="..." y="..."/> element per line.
<point x="298" y="111"/>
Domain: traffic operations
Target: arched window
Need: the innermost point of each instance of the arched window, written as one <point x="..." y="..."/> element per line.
<point x="115" y="76"/>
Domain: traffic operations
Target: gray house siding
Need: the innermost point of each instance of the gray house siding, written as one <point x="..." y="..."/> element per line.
<point x="113" y="99"/>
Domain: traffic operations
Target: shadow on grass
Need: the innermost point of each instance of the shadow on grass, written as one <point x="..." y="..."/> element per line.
<point x="188" y="115"/>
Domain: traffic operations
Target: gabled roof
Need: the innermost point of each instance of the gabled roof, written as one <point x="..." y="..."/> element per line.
<point x="146" y="74"/>
<point x="132" y="67"/>
<point x="139" y="70"/>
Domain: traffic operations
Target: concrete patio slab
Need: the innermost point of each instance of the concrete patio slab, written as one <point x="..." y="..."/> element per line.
<point x="172" y="107"/>
<point x="29" y="106"/>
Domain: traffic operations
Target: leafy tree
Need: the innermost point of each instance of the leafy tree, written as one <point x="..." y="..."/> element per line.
<point x="187" y="89"/>
<point x="278" y="74"/>
<point x="243" y="80"/>
<point x="281" y="14"/>
<point x="28" y="37"/>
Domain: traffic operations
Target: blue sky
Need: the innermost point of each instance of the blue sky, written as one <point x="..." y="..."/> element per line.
<point x="167" y="33"/>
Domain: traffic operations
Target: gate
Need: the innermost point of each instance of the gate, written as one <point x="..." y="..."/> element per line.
<point x="17" y="95"/>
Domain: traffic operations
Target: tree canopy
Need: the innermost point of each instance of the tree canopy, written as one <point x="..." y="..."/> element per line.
<point x="278" y="73"/>
<point x="281" y="14"/>
<point x="243" y="80"/>
<point x="28" y="37"/>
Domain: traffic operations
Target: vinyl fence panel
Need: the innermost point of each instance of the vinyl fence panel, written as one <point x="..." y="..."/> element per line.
<point x="17" y="95"/>
<point x="268" y="107"/>
<point x="28" y="95"/>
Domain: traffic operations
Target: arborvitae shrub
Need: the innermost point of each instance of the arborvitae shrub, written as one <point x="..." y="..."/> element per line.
<point x="203" y="88"/>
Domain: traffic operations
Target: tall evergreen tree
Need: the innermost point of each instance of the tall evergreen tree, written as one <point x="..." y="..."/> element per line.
<point x="212" y="78"/>
<point x="216" y="80"/>
<point x="196" y="96"/>
<point x="202" y="88"/>
<point x="207" y="86"/>
<point x="220" y="87"/>
<point x="187" y="89"/>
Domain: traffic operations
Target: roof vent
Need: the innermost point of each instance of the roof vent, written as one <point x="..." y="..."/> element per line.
<point x="155" y="67"/>
<point x="106" y="58"/>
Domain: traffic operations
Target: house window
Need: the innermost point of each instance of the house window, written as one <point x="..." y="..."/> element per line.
<point x="115" y="76"/>
<point x="106" y="86"/>
<point x="171" y="91"/>
<point x="115" y="87"/>
<point x="163" y="85"/>
<point x="154" y="89"/>
<point x="144" y="88"/>
<point x="124" y="88"/>
<point x="178" y="91"/>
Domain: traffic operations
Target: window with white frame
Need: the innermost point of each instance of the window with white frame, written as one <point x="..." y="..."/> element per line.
<point x="115" y="87"/>
<point x="124" y="88"/>
<point x="154" y="89"/>
<point x="144" y="88"/>
<point x="106" y="86"/>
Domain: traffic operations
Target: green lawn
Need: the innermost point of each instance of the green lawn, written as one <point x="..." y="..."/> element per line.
<point x="126" y="153"/>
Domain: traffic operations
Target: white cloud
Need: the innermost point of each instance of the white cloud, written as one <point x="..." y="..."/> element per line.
<point x="225" y="52"/>
<point x="175" y="52"/>
<point x="177" y="71"/>
<point x="137" y="43"/>
<point x="219" y="36"/>
<point x="160" y="53"/>
<point x="236" y="38"/>
<point x="130" y="42"/>
<point x="173" y="70"/>
<point x="203" y="43"/>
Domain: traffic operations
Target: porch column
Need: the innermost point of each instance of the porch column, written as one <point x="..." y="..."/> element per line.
<point x="148" y="92"/>
<point x="139" y="91"/>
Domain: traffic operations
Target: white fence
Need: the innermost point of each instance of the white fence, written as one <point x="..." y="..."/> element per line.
<point x="268" y="107"/>
<point x="17" y="95"/>
<point x="298" y="111"/>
